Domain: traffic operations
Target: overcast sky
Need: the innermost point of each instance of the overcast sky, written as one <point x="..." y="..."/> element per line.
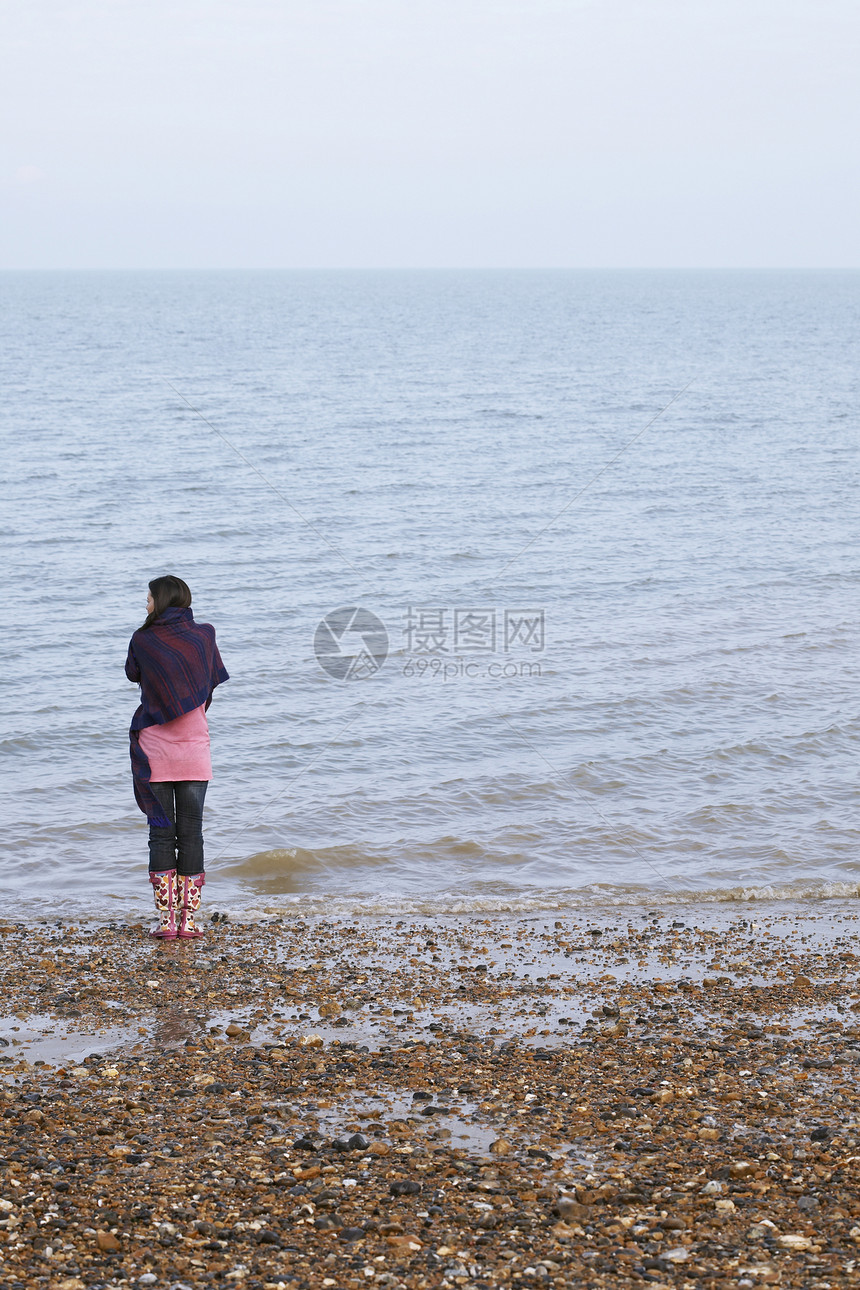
<point x="282" y="133"/>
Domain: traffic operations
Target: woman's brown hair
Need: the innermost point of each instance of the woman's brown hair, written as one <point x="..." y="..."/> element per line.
<point x="167" y="593"/>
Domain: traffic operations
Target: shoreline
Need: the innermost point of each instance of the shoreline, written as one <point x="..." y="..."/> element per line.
<point x="638" y="1098"/>
<point x="262" y="901"/>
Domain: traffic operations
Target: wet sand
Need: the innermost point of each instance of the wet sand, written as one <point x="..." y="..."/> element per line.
<point x="615" y="1100"/>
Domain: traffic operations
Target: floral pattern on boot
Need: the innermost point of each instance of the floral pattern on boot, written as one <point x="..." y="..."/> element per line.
<point x="191" y="892"/>
<point x="165" y="888"/>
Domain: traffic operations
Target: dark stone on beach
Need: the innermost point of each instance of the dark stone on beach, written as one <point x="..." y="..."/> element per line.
<point x="821" y="1134"/>
<point x="807" y="1203"/>
<point x="351" y="1142"/>
<point x="404" y="1187"/>
<point x="304" y="1144"/>
<point x="350" y="1234"/>
<point x="422" y="1097"/>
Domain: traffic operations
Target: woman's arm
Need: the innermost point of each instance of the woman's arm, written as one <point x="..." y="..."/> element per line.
<point x="132" y="671"/>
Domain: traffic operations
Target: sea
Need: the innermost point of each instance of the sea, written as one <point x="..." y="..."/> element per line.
<point x="538" y="590"/>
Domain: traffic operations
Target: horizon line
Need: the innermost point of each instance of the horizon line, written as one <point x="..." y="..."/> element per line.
<point x="441" y="268"/>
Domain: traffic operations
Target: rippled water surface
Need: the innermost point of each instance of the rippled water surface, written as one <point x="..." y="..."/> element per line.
<point x="674" y="718"/>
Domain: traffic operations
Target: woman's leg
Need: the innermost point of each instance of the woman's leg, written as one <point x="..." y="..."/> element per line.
<point x="162" y="865"/>
<point x="190" y="795"/>
<point x="162" y="842"/>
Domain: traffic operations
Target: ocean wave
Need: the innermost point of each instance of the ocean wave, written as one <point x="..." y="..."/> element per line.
<point x="445" y="904"/>
<point x="593" y="901"/>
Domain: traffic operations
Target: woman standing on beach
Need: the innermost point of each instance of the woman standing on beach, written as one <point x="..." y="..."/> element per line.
<point x="177" y="665"/>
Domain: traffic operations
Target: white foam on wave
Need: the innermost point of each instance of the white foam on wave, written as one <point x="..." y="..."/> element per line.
<point x="245" y="906"/>
<point x="450" y="904"/>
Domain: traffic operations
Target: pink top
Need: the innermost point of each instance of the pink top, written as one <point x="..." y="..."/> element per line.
<point x="179" y="749"/>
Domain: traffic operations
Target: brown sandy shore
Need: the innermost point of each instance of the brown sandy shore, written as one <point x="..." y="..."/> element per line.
<point x="610" y="1100"/>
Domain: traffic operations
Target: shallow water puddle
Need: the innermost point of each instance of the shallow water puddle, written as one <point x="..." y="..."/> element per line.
<point x="41" y="1038"/>
<point x="406" y="1122"/>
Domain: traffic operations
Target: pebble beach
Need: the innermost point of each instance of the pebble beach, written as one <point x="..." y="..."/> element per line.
<point x="623" y="1098"/>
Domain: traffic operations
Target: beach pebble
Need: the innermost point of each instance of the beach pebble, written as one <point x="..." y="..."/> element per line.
<point x="794" y="1241"/>
<point x="761" y="1229"/>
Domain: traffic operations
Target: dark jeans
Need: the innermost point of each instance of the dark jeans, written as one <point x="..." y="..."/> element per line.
<point x="181" y="846"/>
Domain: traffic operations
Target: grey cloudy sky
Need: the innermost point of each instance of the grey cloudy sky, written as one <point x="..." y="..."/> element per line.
<point x="254" y="133"/>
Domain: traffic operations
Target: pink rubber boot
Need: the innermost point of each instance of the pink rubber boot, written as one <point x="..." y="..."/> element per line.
<point x="164" y="887"/>
<point x="190" y="894"/>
